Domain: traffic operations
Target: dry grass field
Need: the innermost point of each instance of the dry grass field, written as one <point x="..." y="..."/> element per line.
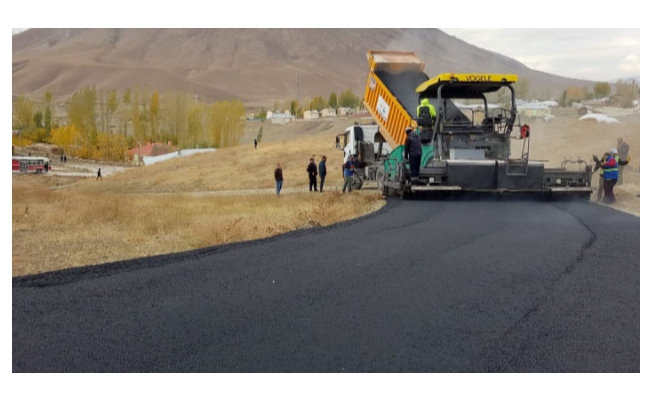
<point x="63" y="222"/>
<point x="566" y="137"/>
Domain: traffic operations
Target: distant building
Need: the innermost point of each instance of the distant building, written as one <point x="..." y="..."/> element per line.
<point x="138" y="153"/>
<point x="343" y="111"/>
<point x="328" y="112"/>
<point x="310" y="114"/>
<point x="535" y="110"/>
<point x="280" y="118"/>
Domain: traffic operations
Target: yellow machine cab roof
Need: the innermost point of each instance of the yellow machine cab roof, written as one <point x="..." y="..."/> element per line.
<point x="465" y="85"/>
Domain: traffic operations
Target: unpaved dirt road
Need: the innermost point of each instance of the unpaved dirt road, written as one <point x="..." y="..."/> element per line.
<point x="73" y="168"/>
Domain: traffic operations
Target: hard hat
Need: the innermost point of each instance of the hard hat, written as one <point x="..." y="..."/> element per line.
<point x="614" y="151"/>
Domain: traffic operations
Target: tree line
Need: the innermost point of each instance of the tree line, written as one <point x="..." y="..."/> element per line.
<point x="626" y="92"/>
<point x="103" y="124"/>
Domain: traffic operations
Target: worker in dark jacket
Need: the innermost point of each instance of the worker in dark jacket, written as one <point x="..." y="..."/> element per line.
<point x="413" y="153"/>
<point x="322" y="173"/>
<point x="312" y="175"/>
<point x="278" y="177"/>
<point x="600" y="164"/>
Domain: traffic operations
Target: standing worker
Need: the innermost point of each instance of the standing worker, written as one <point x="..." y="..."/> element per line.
<point x="413" y="153"/>
<point x="598" y="164"/>
<point x="255" y="143"/>
<point x="349" y="170"/>
<point x="610" y="167"/>
<point x="312" y="175"/>
<point x="99" y="174"/>
<point x="322" y="173"/>
<point x="278" y="176"/>
<point x="623" y="154"/>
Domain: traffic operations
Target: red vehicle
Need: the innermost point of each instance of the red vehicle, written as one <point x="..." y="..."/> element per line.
<point x="30" y="164"/>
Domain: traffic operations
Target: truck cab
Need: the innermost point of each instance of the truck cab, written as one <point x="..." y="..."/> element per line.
<point x="364" y="143"/>
<point x="368" y="147"/>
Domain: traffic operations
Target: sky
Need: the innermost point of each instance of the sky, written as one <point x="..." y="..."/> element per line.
<point x="591" y="54"/>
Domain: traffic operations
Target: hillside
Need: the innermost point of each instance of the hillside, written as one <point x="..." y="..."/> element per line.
<point x="257" y="66"/>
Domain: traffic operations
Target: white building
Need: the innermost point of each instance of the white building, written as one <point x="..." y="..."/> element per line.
<point x="310" y="114"/>
<point x="535" y="110"/>
<point x="281" y="119"/>
<point x="328" y="112"/>
<point x="343" y="111"/>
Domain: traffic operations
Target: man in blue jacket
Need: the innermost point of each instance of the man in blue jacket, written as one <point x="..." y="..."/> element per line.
<point x="349" y="170"/>
<point x="610" y="168"/>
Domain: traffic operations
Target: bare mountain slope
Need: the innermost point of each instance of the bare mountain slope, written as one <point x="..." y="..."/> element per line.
<point x="254" y="65"/>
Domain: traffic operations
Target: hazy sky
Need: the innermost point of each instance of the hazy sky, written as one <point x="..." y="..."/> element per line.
<point x="593" y="54"/>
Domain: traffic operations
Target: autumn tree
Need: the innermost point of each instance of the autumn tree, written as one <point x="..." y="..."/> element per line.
<point x="126" y="96"/>
<point x="179" y="107"/>
<point x="137" y="115"/>
<point x="68" y="138"/>
<point x="332" y="100"/>
<point x="602" y="90"/>
<point x="108" y="103"/>
<point x="23" y="114"/>
<point x="112" y="103"/>
<point x="627" y="92"/>
<point x="47" y="117"/>
<point x="81" y="114"/>
<point x="573" y="94"/>
<point x="318" y="103"/>
<point x="81" y="109"/>
<point x="153" y="114"/>
<point x="348" y="99"/>
<point x="38" y="119"/>
<point x="195" y="127"/>
<point x="227" y="123"/>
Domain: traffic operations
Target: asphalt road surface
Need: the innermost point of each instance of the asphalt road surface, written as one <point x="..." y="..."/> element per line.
<point x="420" y="286"/>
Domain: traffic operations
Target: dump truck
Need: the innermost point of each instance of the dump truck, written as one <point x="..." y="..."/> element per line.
<point x="466" y="147"/>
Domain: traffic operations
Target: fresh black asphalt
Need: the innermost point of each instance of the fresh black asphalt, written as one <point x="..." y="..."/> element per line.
<point x="420" y="286"/>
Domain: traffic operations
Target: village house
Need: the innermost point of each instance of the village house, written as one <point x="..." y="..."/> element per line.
<point x="311" y="114"/>
<point x="328" y="112"/>
<point x="138" y="153"/>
